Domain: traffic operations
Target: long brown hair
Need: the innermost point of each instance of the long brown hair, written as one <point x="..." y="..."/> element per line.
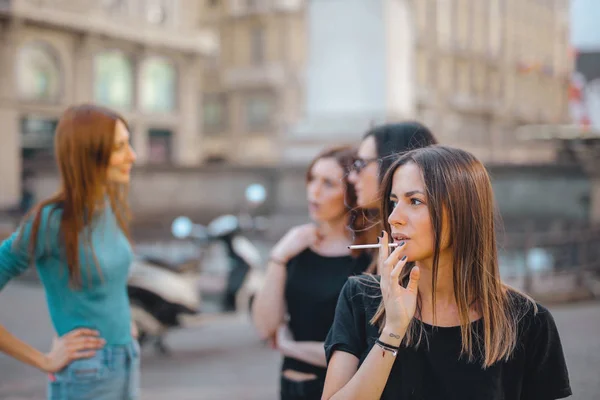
<point x="458" y="185"/>
<point x="83" y="144"/>
<point x="357" y="222"/>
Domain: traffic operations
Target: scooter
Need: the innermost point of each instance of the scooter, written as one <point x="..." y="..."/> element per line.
<point x="164" y="296"/>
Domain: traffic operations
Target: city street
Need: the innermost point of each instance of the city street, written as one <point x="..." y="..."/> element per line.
<point x="224" y="360"/>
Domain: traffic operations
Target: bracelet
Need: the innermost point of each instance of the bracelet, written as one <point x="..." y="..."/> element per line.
<point x="387" y="347"/>
<point x="277" y="261"/>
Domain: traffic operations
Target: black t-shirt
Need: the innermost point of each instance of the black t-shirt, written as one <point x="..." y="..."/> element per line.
<point x="312" y="288"/>
<point x="535" y="371"/>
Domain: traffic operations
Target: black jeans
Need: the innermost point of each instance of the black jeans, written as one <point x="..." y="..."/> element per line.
<point x="306" y="390"/>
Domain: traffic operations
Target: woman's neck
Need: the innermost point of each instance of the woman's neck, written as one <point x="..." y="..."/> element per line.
<point x="334" y="229"/>
<point x="444" y="285"/>
<point x="447" y="311"/>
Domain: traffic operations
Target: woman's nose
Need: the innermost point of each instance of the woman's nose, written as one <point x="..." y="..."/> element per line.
<point x="397" y="217"/>
<point x="132" y="155"/>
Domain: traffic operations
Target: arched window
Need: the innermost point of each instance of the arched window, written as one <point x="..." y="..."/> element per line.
<point x="39" y="74"/>
<point x="158" y="86"/>
<point x="113" y="80"/>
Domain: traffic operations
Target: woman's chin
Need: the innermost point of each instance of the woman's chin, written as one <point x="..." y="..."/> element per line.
<point x="315" y="216"/>
<point x="122" y="179"/>
<point x="368" y="204"/>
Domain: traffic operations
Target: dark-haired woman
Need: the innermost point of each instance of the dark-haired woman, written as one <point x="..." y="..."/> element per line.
<point x="439" y="323"/>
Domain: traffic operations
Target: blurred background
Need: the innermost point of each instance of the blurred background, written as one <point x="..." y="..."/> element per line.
<point x="223" y="94"/>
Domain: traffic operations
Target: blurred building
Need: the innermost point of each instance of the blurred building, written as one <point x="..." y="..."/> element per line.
<point x="294" y="75"/>
<point x="585" y="90"/>
<point x="254" y="89"/>
<point x="492" y="66"/>
<point x="140" y="57"/>
<point x="277" y="81"/>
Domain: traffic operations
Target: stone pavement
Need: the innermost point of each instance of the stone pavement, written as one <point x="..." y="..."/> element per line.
<point x="225" y="360"/>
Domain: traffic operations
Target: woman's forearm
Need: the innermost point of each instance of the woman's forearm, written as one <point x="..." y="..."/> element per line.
<point x="370" y="379"/>
<point x="268" y="309"/>
<point x="309" y="352"/>
<point x="19" y="350"/>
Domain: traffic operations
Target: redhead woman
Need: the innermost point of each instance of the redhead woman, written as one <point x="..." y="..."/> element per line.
<point x="78" y="241"/>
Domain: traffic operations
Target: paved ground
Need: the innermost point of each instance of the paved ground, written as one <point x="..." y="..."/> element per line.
<point x="225" y="360"/>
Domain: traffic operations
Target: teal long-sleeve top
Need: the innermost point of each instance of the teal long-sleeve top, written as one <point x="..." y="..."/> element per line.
<point x="101" y="302"/>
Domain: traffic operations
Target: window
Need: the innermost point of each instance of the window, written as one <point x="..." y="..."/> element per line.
<point x="214" y="113"/>
<point x="38" y="73"/>
<point x="158" y="87"/>
<point x="257" y="45"/>
<point x="160" y="146"/>
<point x="37" y="132"/>
<point x="37" y="141"/>
<point x="259" y="111"/>
<point x="113" y="80"/>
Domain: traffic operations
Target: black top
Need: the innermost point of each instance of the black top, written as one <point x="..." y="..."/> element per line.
<point x="312" y="288"/>
<point x="535" y="371"/>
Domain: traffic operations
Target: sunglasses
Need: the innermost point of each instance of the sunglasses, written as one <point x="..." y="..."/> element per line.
<point x="360" y="164"/>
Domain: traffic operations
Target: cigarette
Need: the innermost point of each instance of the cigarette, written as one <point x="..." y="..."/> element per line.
<point x="370" y="246"/>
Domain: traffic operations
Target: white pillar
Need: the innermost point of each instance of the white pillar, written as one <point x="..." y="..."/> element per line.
<point x="400" y="59"/>
<point x="346" y="67"/>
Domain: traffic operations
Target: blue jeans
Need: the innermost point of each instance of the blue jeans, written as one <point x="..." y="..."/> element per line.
<point x="113" y="373"/>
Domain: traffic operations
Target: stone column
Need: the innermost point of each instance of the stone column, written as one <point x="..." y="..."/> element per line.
<point x="188" y="136"/>
<point x="10" y="151"/>
<point x="83" y="68"/>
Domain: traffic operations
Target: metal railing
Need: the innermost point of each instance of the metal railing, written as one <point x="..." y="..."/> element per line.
<point x="558" y="262"/>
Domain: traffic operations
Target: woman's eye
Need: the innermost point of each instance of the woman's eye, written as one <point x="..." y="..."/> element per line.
<point x="415" y="202"/>
<point x="393" y="204"/>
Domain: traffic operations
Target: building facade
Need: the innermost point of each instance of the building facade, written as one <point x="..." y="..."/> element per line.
<point x="139" y="57"/>
<point x="254" y="89"/>
<point x="268" y="83"/>
<point x="322" y="72"/>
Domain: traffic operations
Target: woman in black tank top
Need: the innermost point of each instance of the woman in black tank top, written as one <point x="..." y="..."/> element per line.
<point x="307" y="270"/>
<point x="439" y="323"/>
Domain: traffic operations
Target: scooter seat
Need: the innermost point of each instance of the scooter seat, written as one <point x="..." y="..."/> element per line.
<point x="178" y="267"/>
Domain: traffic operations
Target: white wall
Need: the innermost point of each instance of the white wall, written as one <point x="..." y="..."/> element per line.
<point x="347" y="63"/>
